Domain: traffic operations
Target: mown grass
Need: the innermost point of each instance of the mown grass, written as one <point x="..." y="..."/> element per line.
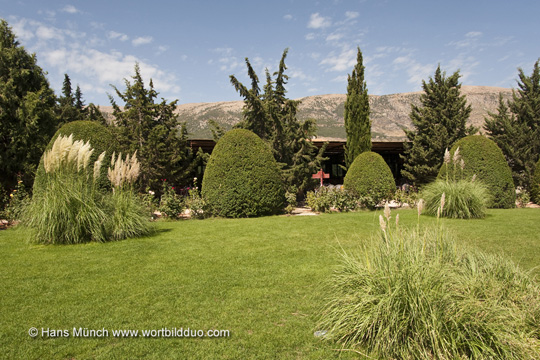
<point x="259" y="278"/>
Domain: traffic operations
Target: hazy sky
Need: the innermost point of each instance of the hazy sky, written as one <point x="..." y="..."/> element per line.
<point x="189" y="48"/>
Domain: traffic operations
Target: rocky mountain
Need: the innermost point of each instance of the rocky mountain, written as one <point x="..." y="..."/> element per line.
<point x="389" y="113"/>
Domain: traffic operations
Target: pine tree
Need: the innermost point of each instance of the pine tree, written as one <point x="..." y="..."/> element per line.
<point x="153" y="131"/>
<point x="438" y="123"/>
<point x="272" y="116"/>
<point x="27" y="119"/>
<point x="66" y="110"/>
<point x="515" y="127"/>
<point x="79" y="102"/>
<point x="66" y="91"/>
<point x="357" y="122"/>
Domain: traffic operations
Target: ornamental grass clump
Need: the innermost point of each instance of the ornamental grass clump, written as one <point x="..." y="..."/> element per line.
<point x="481" y="157"/>
<point x="465" y="198"/>
<point x="69" y="209"/>
<point x="72" y="208"/>
<point x="416" y="294"/>
<point x="128" y="216"/>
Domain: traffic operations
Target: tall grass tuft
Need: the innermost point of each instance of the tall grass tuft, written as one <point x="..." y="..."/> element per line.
<point x="417" y="295"/>
<point x="463" y="199"/>
<point x="69" y="210"/>
<point x="72" y="209"/>
<point x="128" y="216"/>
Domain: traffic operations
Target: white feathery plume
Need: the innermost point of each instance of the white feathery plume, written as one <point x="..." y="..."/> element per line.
<point x="456" y="156"/>
<point x="446" y="156"/>
<point x="387" y="211"/>
<point x="443" y="197"/>
<point x="382" y="223"/>
<point x="420" y="206"/>
<point x="97" y="165"/>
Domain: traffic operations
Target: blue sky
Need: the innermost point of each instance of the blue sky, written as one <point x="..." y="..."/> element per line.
<point x="189" y="48"/>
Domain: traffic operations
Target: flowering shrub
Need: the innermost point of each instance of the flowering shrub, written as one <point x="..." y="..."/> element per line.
<point x="409" y="197"/>
<point x="171" y="205"/>
<point x="196" y="204"/>
<point x="326" y="198"/>
<point x="150" y="202"/>
<point x="17" y="201"/>
<point x="290" y="198"/>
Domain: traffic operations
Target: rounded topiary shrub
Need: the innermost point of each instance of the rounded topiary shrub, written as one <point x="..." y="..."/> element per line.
<point x="100" y="138"/>
<point x="535" y="184"/>
<point x="483" y="158"/>
<point x="242" y="178"/>
<point x="370" y="178"/>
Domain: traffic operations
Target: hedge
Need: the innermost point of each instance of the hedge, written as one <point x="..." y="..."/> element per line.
<point x="483" y="158"/>
<point x="370" y="178"/>
<point x="242" y="178"/>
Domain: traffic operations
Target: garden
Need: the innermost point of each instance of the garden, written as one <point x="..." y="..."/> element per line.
<point x="123" y="241"/>
<point x="263" y="279"/>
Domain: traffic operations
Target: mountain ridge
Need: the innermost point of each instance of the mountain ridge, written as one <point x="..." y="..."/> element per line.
<point x="389" y="113"/>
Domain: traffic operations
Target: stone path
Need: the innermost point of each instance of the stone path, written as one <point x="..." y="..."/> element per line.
<point x="303" y="211"/>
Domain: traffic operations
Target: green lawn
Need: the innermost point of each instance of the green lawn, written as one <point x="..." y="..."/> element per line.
<point x="261" y="279"/>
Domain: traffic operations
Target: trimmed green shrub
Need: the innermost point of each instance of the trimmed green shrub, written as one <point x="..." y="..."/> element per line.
<point x="483" y="158"/>
<point x="416" y="294"/>
<point x="370" y="178"/>
<point x="100" y="138"/>
<point x="242" y="178"/>
<point x="535" y="184"/>
<point x="463" y="199"/>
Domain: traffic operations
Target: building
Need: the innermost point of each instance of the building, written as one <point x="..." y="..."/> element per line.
<point x="389" y="150"/>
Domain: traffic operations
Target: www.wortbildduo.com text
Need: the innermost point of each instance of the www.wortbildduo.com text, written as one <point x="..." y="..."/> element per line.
<point x="128" y="333"/>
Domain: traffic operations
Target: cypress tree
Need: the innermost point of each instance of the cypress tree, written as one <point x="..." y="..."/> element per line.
<point x="515" y="127"/>
<point x="438" y="123"/>
<point x="357" y="122"/>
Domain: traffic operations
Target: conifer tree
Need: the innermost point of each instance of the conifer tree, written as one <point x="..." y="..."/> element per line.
<point x="27" y="119"/>
<point x="515" y="127"/>
<point x="272" y="116"/>
<point x="357" y="122"/>
<point x="440" y="121"/>
<point x="71" y="105"/>
<point x="151" y="128"/>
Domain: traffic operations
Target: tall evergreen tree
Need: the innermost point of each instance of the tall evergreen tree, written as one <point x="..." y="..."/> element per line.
<point x="151" y="128"/>
<point x="272" y="116"/>
<point x="516" y="127"/>
<point x="71" y="106"/>
<point x="79" y="102"/>
<point x="357" y="122"/>
<point x="438" y="123"/>
<point x="27" y="119"/>
<point x="66" y="110"/>
<point x="67" y="97"/>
